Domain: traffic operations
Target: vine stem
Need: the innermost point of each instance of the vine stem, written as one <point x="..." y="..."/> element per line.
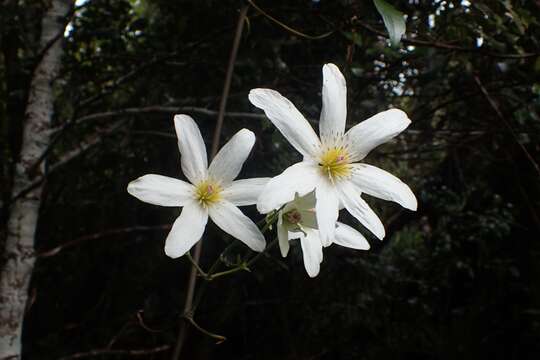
<point x="188" y="304"/>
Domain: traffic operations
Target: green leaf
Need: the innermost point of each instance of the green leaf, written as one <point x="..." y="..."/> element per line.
<point x="393" y="20"/>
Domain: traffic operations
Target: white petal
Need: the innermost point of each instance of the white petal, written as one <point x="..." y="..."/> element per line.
<point x="245" y="192"/>
<point x="228" y="162"/>
<point x="283" y="236"/>
<point x="299" y="178"/>
<point x="334" y="103"/>
<point x="186" y="230"/>
<point x="161" y="190"/>
<point x="192" y="150"/>
<point x="349" y="237"/>
<point x="327" y="209"/>
<point x="350" y="196"/>
<point x="374" y="131"/>
<point x="231" y="220"/>
<point x="379" y="183"/>
<point x="312" y="252"/>
<point x="286" y="117"/>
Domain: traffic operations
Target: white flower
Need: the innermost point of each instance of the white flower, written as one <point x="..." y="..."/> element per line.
<point x="212" y="191"/>
<point x="330" y="164"/>
<point x="297" y="220"/>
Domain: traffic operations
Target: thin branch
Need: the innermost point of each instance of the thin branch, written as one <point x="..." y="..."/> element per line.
<point x="501" y="117"/>
<point x="100" y="235"/>
<point x="288" y="28"/>
<point x="445" y="46"/>
<point x="215" y="145"/>
<point x="101" y="352"/>
<point x="90" y="142"/>
<point x="157" y="109"/>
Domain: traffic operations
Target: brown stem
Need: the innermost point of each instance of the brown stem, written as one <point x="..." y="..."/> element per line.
<point x="215" y="145"/>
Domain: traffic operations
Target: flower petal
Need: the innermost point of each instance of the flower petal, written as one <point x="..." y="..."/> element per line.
<point x="376" y="130"/>
<point x="192" y="150"/>
<point x="186" y="230"/>
<point x="283" y="236"/>
<point x="312" y="252"/>
<point x="334" y="103"/>
<point x="289" y="121"/>
<point x="350" y="196"/>
<point x="161" y="190"/>
<point x="231" y="220"/>
<point x="228" y="162"/>
<point x="327" y="209"/>
<point x="244" y="192"/>
<point x="299" y="178"/>
<point x="349" y="237"/>
<point x="379" y="183"/>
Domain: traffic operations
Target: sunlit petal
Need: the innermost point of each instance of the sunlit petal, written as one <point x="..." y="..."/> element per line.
<point x="374" y="131"/>
<point x="228" y="162"/>
<point x="161" y="190"/>
<point x="289" y="121"/>
<point x="244" y="192"/>
<point x="350" y="196"/>
<point x="312" y="252"/>
<point x="299" y="178"/>
<point x="334" y="104"/>
<point x="186" y="230"/>
<point x="349" y="237"/>
<point x="231" y="220"/>
<point x="379" y="183"/>
<point x="192" y="149"/>
<point x="327" y="209"/>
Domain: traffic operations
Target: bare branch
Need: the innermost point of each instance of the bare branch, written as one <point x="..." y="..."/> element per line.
<point x="100" y="352"/>
<point x="501" y="117"/>
<point x="157" y="109"/>
<point x="100" y="235"/>
<point x="446" y="46"/>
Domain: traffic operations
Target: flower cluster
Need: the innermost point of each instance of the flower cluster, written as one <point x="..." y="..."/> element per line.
<point x="305" y="199"/>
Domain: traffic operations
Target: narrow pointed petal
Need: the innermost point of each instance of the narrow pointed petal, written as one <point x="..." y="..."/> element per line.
<point x="231" y="220"/>
<point x="228" y="162"/>
<point x="283" y="236"/>
<point x="186" y="230"/>
<point x="327" y="209"/>
<point x="349" y="237"/>
<point x="350" y="196"/>
<point x="289" y="121"/>
<point x="334" y="103"/>
<point x="312" y="252"/>
<point x="161" y="190"/>
<point x="379" y="183"/>
<point x="192" y="150"/>
<point x="376" y="130"/>
<point x="245" y="192"/>
<point x="299" y="178"/>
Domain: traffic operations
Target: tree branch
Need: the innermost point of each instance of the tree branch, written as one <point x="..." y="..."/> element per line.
<point x="101" y="352"/>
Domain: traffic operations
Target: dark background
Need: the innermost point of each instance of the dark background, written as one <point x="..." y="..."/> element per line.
<point x="459" y="278"/>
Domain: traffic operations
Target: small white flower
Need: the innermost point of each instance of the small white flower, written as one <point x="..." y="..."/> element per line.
<point x="330" y="164"/>
<point x="212" y="191"/>
<point x="297" y="220"/>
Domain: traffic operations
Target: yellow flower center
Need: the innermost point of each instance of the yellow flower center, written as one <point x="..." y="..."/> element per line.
<point x="207" y="193"/>
<point x="335" y="163"/>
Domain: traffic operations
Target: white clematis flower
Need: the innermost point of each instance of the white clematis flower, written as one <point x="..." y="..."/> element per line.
<point x="297" y="220"/>
<point x="330" y="164"/>
<point x="212" y="192"/>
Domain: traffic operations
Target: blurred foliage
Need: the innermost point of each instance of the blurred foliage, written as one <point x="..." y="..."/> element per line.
<point x="457" y="279"/>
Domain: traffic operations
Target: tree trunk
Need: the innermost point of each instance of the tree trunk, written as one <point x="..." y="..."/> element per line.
<point x="21" y="227"/>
